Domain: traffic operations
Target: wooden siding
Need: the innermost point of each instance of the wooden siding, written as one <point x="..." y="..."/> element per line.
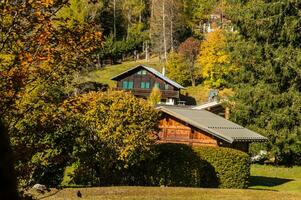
<point x="173" y="130"/>
<point x="171" y="92"/>
<point x="177" y="131"/>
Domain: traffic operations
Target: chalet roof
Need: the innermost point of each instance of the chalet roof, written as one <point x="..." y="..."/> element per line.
<point x="213" y="124"/>
<point x="153" y="71"/>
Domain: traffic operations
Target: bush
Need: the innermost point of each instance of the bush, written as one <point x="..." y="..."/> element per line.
<point x="232" y="166"/>
<point x="179" y="165"/>
<point x="172" y="165"/>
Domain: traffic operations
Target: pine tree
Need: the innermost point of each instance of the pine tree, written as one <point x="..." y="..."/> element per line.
<point x="268" y="85"/>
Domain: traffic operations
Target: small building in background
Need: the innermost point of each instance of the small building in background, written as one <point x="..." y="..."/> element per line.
<point x="141" y="79"/>
<point x="182" y="124"/>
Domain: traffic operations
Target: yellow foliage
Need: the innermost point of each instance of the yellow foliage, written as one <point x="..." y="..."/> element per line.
<point x="213" y="58"/>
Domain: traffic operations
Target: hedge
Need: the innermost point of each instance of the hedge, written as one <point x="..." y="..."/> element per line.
<point x="232" y="167"/>
<point x="181" y="165"/>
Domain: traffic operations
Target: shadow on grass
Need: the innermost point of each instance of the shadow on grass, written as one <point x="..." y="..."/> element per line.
<point x="267" y="181"/>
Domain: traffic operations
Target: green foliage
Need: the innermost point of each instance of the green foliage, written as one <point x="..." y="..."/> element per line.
<point x="80" y="11"/>
<point x="267" y="97"/>
<point x="197" y="11"/>
<point x="115" y="50"/>
<point x="179" y="165"/>
<point x="231" y="166"/>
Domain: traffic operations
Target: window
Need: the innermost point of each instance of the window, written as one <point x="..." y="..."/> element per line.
<point x="145" y="85"/>
<point x="127" y="84"/>
<point x="157" y="85"/>
<point x="142" y="72"/>
<point x="130" y="85"/>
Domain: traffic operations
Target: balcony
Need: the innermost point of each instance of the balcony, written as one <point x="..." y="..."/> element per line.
<point x="146" y="92"/>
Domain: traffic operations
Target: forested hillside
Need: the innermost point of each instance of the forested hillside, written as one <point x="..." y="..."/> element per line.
<point x="249" y="50"/>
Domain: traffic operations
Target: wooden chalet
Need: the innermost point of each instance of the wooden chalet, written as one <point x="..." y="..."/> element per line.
<point x="203" y="128"/>
<point x="140" y="80"/>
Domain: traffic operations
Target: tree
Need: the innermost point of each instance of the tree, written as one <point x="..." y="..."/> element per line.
<point x="155" y="96"/>
<point x="118" y="130"/>
<point x="214" y="60"/>
<point x="196" y="12"/>
<point x="165" y="25"/>
<point x="189" y="49"/>
<point x="34" y="51"/>
<point x="80" y="11"/>
<point x="267" y="85"/>
<point x="177" y="68"/>
<point x="38" y="59"/>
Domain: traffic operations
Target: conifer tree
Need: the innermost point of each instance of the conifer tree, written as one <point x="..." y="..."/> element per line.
<point x="268" y="84"/>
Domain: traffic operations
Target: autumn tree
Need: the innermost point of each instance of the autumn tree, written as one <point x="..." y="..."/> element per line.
<point x="119" y="130"/>
<point x="177" y="68"/>
<point x="155" y="96"/>
<point x="189" y="49"/>
<point x="38" y="60"/>
<point x="214" y="60"/>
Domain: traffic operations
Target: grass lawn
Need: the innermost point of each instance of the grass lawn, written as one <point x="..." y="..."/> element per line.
<point x="275" y="178"/>
<point x="105" y="74"/>
<point x="267" y="182"/>
<point x="168" y="193"/>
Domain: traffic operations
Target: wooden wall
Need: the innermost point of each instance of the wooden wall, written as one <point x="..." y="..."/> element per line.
<point x="173" y="130"/>
<point x="176" y="131"/>
<point x="171" y="92"/>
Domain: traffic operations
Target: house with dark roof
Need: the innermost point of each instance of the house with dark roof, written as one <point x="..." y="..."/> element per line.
<point x="141" y="79"/>
<point x="199" y="127"/>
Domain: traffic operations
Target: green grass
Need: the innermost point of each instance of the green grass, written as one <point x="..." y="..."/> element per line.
<point x="105" y="74"/>
<point x="276" y="178"/>
<point x="267" y="183"/>
<point x="167" y="193"/>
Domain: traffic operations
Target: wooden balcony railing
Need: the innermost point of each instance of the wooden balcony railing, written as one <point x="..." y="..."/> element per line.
<point x="146" y="92"/>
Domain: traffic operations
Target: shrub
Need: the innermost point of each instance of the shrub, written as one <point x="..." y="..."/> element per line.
<point x="232" y="166"/>
<point x="172" y="165"/>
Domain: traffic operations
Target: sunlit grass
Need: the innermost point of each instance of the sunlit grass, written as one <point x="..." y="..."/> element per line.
<point x="276" y="178"/>
<point x="105" y="74"/>
<point x="169" y="193"/>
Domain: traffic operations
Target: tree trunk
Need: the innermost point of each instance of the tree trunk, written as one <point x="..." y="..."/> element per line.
<point x="114" y="20"/>
<point x="171" y="27"/>
<point x="164" y="31"/>
<point x="7" y="173"/>
<point x="146" y="52"/>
